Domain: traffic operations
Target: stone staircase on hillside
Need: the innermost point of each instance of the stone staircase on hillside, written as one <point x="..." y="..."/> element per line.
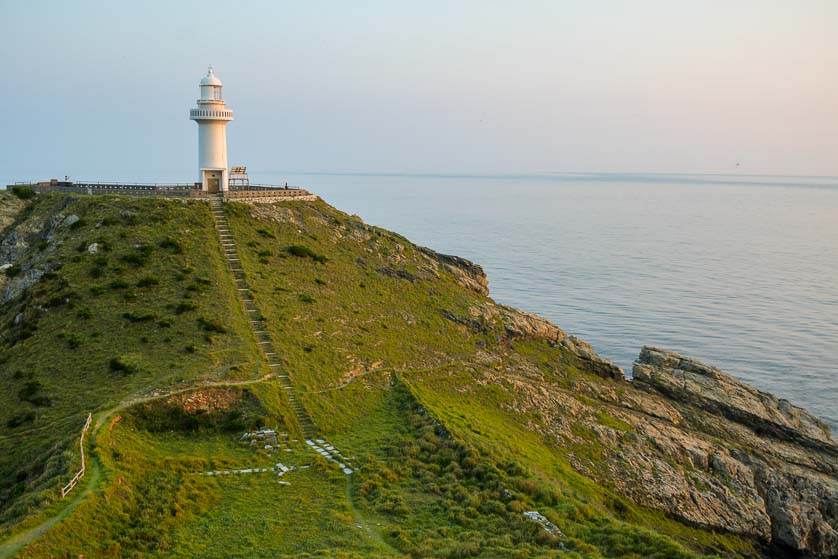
<point x="228" y="245"/>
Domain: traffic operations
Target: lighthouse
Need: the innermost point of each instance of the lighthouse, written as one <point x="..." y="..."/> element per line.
<point x="212" y="119"/>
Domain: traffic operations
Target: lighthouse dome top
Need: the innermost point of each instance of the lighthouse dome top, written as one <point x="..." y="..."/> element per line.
<point x="210" y="78"/>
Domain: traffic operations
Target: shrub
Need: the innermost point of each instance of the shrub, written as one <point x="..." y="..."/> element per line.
<point x="265" y="233"/>
<point x="120" y="365"/>
<point x="131" y="317"/>
<point x="23" y="192"/>
<point x="118" y="284"/>
<point x="42" y="244"/>
<point x="185" y="307"/>
<point x="12" y="271"/>
<point x="20" y="419"/>
<point x="211" y="326"/>
<point x="77" y="224"/>
<point x="30" y="388"/>
<point x="302" y="251"/>
<point x="148" y="281"/>
<point x="135" y="259"/>
<point x="171" y="244"/>
<point x="306" y="298"/>
<point x="74" y="341"/>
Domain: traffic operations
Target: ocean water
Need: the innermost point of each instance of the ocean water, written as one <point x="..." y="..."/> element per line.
<point x="738" y="271"/>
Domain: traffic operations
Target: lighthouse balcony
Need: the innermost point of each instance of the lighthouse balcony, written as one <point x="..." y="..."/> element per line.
<point x="205" y="114"/>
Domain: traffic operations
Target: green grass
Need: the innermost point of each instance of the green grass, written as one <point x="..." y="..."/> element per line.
<point x="90" y="340"/>
<point x="426" y="407"/>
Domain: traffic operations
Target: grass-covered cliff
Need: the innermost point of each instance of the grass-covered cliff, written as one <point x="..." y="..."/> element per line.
<point x="458" y="415"/>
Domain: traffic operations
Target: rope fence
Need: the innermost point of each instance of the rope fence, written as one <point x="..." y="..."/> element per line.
<point x="80" y="474"/>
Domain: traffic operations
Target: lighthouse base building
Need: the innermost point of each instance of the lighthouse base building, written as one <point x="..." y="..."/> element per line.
<point x="212" y="117"/>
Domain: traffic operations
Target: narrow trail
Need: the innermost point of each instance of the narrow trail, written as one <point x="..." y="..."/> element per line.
<point x="94" y="471"/>
<point x="17" y="542"/>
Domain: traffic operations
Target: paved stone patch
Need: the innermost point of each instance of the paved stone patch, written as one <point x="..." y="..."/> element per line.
<point x="329" y="452"/>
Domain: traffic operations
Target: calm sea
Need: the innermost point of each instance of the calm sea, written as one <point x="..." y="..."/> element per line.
<point x="738" y="271"/>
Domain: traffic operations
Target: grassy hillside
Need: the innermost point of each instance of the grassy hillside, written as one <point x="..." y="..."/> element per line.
<point x="133" y="317"/>
<point x="422" y="405"/>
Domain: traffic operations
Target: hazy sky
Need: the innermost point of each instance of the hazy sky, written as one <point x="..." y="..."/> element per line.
<point x="103" y="89"/>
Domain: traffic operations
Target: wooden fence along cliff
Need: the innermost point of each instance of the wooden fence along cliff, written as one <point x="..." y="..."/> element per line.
<point x="80" y="474"/>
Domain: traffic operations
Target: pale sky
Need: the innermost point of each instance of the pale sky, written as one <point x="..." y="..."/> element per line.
<point x="103" y="89"/>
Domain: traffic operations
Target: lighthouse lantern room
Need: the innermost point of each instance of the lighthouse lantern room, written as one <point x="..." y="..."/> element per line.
<point x="212" y="119"/>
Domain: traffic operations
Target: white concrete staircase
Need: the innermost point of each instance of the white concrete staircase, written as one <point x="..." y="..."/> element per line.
<point x="228" y="245"/>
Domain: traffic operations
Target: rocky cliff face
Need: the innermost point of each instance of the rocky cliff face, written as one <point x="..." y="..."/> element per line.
<point x="690" y="440"/>
<point x="787" y="456"/>
<point x="469" y="274"/>
<point x="18" y="237"/>
<point x="685" y="438"/>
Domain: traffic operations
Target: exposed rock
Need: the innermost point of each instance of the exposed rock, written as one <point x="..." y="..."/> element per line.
<point x="468" y="274"/>
<point x="93" y="248"/>
<point x="691" y="381"/>
<point x="17" y="238"/>
<point x="10" y="207"/>
<point x="521" y="324"/>
<point x="751" y="464"/>
<point x="396" y="273"/>
<point x="70" y="220"/>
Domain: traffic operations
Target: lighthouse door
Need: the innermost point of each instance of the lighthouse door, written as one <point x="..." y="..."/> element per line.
<point x="212" y="184"/>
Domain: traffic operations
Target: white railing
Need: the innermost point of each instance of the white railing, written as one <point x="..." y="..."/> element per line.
<point x="203" y="113"/>
<point x="80" y="474"/>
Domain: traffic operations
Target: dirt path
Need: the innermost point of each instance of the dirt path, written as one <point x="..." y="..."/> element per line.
<point x="14" y="544"/>
<point x="94" y="472"/>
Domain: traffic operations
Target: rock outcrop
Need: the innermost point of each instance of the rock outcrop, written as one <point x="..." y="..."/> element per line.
<point x="468" y="274"/>
<point x="691" y="381"/>
<point x="18" y="237"/>
<point x="521" y="324"/>
<point x="787" y="454"/>
<point x="687" y="439"/>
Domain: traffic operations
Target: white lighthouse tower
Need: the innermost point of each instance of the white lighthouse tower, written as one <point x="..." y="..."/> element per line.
<point x="212" y="119"/>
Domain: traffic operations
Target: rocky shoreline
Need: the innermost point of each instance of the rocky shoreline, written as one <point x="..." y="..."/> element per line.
<point x="683" y="437"/>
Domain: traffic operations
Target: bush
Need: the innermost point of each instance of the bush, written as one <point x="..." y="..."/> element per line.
<point x="211" y="326"/>
<point x="131" y="317"/>
<point x="306" y="298"/>
<point x="302" y="251"/>
<point x="118" y="284"/>
<point x="148" y="281"/>
<point x="171" y="244"/>
<point x="120" y="365"/>
<point x="13" y="271"/>
<point x="20" y="419"/>
<point x="265" y="233"/>
<point x="135" y="259"/>
<point x="23" y="192"/>
<point x="185" y="307"/>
